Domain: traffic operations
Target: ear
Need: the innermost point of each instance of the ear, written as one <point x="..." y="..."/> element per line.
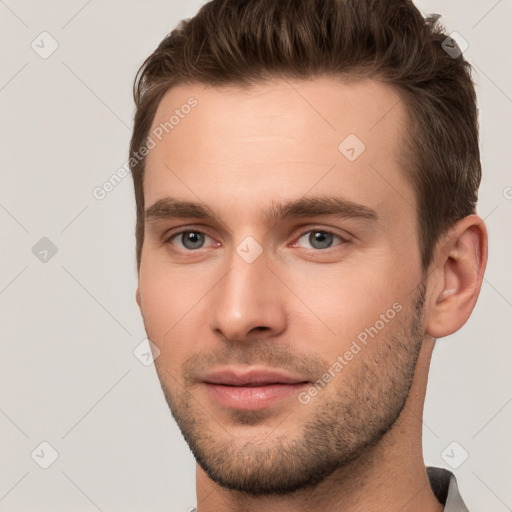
<point x="455" y="276"/>
<point x="137" y="297"/>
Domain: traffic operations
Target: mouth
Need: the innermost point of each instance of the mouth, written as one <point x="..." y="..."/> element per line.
<point x="255" y="389"/>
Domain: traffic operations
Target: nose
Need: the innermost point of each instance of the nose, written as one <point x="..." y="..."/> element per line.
<point x="248" y="302"/>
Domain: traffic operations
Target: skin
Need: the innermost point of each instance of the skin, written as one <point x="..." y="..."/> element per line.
<point x="297" y="307"/>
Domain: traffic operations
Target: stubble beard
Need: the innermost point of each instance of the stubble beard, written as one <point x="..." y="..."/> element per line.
<point x="340" y="429"/>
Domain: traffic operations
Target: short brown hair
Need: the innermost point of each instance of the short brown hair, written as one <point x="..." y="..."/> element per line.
<point x="246" y="42"/>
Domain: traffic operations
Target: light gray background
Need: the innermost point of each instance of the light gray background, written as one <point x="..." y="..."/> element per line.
<point x="68" y="375"/>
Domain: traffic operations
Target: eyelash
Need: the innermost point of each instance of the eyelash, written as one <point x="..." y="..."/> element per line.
<point x="343" y="240"/>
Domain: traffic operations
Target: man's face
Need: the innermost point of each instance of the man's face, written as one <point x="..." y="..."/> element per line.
<point x="288" y="333"/>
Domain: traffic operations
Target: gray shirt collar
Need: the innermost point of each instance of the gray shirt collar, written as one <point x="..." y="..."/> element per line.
<point x="444" y="486"/>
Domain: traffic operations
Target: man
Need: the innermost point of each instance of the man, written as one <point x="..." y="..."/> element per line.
<point x="306" y="174"/>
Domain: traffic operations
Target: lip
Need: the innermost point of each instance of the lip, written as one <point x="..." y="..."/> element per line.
<point x="253" y="389"/>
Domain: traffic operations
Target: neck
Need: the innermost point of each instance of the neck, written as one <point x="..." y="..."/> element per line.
<point x="387" y="477"/>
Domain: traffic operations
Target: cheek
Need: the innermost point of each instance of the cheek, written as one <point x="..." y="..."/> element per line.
<point x="328" y="305"/>
<point x="165" y="299"/>
<point x="343" y="301"/>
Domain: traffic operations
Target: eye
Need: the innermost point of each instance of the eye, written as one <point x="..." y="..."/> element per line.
<point x="320" y="239"/>
<point x="189" y="240"/>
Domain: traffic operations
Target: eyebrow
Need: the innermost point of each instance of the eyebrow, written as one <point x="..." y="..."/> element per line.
<point x="170" y="208"/>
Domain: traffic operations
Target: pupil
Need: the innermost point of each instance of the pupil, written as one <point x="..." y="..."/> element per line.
<point x="192" y="240"/>
<point x="320" y="239"/>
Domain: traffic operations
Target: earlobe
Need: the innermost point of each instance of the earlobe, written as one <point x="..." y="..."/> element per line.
<point x="459" y="265"/>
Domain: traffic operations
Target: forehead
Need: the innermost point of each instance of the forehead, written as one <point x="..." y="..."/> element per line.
<point x="281" y="139"/>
